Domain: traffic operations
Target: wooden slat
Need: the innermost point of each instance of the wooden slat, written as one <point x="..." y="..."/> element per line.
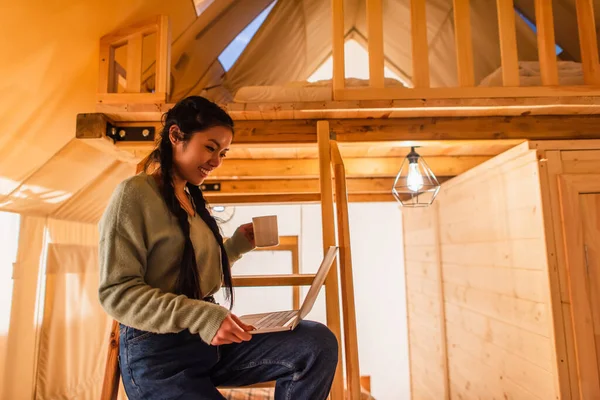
<point x="356" y="167"/>
<point x="332" y="298"/>
<point x="286" y="186"/>
<point x="339" y="70"/>
<point x="420" y="45"/>
<point x="134" y="63"/>
<point x="163" y="56"/>
<point x="588" y="42"/>
<point x="375" y="32"/>
<point x="273" y="280"/>
<point x="463" y="43"/>
<point x="508" y="42"/>
<point x="106" y="70"/>
<point x="346" y="276"/>
<point x="544" y="20"/>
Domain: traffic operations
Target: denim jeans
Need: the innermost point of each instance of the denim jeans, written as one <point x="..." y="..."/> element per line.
<point x="182" y="366"/>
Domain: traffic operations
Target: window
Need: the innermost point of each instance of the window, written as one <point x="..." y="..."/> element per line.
<point x="202" y="5"/>
<point x="356" y="65"/>
<point x="232" y="52"/>
<point x="534" y="29"/>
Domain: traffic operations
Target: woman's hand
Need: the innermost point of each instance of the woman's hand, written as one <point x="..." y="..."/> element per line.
<point x="232" y="330"/>
<point x="248" y="231"/>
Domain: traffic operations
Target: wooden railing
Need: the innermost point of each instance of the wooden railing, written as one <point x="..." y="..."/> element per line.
<point x="464" y="54"/>
<point x="123" y="84"/>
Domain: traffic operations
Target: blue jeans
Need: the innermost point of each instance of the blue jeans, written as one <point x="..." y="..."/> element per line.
<point x="182" y="366"/>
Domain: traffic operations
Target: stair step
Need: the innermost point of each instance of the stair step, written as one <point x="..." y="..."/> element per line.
<point x="273" y="280"/>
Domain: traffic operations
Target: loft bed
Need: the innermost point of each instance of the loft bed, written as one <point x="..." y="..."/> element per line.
<point x="343" y="142"/>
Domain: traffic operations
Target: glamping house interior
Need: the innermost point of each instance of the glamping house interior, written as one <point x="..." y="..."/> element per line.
<point x="451" y="148"/>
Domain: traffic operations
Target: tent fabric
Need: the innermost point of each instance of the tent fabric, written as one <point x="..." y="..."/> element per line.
<point x="74" y="330"/>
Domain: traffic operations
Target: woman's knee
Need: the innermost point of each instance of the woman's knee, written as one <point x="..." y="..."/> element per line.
<point x="319" y="340"/>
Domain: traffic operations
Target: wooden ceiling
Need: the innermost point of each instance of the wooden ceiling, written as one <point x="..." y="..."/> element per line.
<point x="257" y="174"/>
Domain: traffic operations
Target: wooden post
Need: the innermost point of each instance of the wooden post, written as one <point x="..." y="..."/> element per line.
<point x="375" y="30"/>
<point x="163" y="57"/>
<point x="508" y="42"/>
<point x="347" y="285"/>
<point x="110" y="385"/>
<point x="588" y="42"/>
<point x="546" y="43"/>
<point x="332" y="299"/>
<point x="464" y="45"/>
<point x="339" y="71"/>
<point x="420" y="45"/>
<point x="134" y="63"/>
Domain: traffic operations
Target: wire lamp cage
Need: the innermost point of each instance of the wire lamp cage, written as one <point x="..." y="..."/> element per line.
<point x="415" y="184"/>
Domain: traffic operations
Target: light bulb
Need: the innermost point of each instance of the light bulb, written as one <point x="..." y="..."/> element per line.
<point x="414" y="181"/>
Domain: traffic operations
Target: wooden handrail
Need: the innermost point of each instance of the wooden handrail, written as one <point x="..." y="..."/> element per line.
<point x="332" y="300"/>
<point x="346" y="276"/>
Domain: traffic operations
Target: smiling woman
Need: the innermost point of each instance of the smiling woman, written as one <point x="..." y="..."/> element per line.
<point x="162" y="259"/>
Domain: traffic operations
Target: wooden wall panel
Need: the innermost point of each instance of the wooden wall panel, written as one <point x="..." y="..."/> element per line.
<point x="491" y="257"/>
<point x="424" y="303"/>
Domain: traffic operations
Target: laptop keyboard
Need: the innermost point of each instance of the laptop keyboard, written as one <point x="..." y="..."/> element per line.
<point x="275" y="319"/>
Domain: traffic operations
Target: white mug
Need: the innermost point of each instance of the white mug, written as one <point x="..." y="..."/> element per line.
<point x="266" y="233"/>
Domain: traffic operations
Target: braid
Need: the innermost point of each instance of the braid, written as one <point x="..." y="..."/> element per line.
<point x="188" y="282"/>
<point x="202" y="209"/>
<point x="191" y="114"/>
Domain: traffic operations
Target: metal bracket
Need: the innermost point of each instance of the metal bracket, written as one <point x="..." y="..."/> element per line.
<point x="130" y="134"/>
<point x="210" y="187"/>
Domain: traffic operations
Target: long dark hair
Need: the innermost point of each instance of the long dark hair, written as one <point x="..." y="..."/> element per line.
<point x="192" y="114"/>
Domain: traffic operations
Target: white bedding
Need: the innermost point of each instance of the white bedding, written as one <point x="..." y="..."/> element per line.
<point x="298" y="91"/>
<point x="569" y="74"/>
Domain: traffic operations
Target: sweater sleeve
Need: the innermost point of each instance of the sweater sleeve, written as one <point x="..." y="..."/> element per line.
<point x="236" y="246"/>
<point x="124" y="294"/>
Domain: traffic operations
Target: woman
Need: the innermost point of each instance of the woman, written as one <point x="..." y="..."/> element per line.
<point x="161" y="260"/>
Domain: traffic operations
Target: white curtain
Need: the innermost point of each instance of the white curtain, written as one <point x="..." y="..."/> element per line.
<point x="75" y="330"/>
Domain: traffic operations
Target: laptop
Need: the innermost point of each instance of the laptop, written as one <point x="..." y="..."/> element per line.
<point x="288" y="320"/>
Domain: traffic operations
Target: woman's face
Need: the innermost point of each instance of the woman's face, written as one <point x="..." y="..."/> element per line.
<point x="195" y="159"/>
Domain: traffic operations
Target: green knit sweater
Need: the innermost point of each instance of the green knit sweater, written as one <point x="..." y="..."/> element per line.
<point x="139" y="253"/>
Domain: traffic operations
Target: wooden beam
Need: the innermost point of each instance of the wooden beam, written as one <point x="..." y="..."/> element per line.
<point x="544" y="19"/>
<point x="273" y="280"/>
<point x="500" y="102"/>
<point x="461" y="128"/>
<point x="295" y="186"/>
<point x="288" y="186"/>
<point x="463" y="43"/>
<point x="508" y="43"/>
<point x="420" y="44"/>
<point x="355" y="167"/>
<point x="375" y="31"/>
<point x="261" y="132"/>
<point x="91" y="128"/>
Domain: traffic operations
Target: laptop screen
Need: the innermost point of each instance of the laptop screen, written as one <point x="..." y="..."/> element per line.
<point x="313" y="292"/>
